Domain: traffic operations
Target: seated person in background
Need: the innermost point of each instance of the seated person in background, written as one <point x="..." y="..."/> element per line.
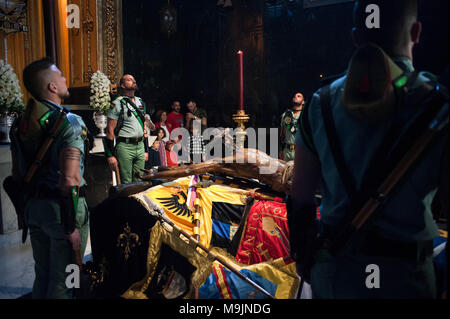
<point x="171" y="155"/>
<point x="161" y="121"/>
<point x="154" y="158"/>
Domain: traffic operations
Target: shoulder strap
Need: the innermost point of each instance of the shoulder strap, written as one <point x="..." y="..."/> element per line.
<point x="136" y="111"/>
<point x="335" y="145"/>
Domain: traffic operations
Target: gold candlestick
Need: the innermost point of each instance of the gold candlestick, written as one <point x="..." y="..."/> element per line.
<point x="240" y="118"/>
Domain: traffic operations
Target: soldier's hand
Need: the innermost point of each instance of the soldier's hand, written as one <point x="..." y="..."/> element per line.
<point x="146" y="157"/>
<point x="112" y="162"/>
<point x="75" y="239"/>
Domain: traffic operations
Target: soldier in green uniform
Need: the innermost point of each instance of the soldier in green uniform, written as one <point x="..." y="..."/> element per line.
<point x="373" y="113"/>
<point x="55" y="208"/>
<point x="126" y="122"/>
<point x="289" y="127"/>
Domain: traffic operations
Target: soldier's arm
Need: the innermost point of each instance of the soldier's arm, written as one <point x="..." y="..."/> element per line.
<point x="301" y="210"/>
<point x="306" y="177"/>
<point x="109" y="144"/>
<point x="69" y="183"/>
<point x="111" y="126"/>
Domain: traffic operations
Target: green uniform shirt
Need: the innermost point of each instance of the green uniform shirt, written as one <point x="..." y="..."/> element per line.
<point x="131" y="126"/>
<point x="289" y="124"/>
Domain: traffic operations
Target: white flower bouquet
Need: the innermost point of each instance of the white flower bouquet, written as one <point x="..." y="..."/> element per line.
<point x="100" y="99"/>
<point x="11" y="97"/>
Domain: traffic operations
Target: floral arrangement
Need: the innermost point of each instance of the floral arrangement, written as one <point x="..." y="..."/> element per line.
<point x="100" y="99"/>
<point x="11" y="97"/>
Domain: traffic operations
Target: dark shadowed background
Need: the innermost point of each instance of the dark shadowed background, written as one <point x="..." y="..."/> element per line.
<point x="287" y="48"/>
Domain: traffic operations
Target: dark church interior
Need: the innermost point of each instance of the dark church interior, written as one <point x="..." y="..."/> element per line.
<point x="101" y="173"/>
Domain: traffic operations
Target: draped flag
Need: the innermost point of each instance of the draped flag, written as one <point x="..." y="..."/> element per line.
<point x="211" y="278"/>
<point x="277" y="277"/>
<point x="175" y="197"/>
<point x="266" y="233"/>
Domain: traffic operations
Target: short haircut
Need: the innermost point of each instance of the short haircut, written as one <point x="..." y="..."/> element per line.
<point x="396" y="20"/>
<point x="31" y="76"/>
<point x="191" y="100"/>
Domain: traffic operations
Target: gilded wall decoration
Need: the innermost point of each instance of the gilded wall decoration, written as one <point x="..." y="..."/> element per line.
<point x="13" y="16"/>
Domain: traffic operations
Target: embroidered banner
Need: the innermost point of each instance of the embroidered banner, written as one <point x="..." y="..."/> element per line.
<point x="266" y="234"/>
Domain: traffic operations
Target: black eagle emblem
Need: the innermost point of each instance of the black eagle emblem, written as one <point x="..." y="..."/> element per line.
<point x="176" y="206"/>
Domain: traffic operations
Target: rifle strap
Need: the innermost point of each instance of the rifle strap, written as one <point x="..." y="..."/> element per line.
<point x="334" y="143"/>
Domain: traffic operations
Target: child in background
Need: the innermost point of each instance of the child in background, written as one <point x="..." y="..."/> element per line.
<point x="160" y="135"/>
<point x="171" y="155"/>
<point x="196" y="146"/>
<point x="154" y="159"/>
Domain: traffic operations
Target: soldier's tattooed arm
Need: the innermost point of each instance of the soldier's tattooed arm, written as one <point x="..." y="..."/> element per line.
<point x="70" y="159"/>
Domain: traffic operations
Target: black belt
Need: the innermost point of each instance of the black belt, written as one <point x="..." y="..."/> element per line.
<point x="49" y="193"/>
<point x="130" y="140"/>
<point x="375" y="245"/>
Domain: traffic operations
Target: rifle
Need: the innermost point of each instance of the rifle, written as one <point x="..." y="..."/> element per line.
<point x="164" y="219"/>
<point x="16" y="188"/>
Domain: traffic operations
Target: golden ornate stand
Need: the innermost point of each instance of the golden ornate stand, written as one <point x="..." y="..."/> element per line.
<point x="240" y="118"/>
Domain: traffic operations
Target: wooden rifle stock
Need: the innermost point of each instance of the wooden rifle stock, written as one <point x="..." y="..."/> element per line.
<point x="117" y="176"/>
<point x="78" y="259"/>
<point x="165" y="219"/>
